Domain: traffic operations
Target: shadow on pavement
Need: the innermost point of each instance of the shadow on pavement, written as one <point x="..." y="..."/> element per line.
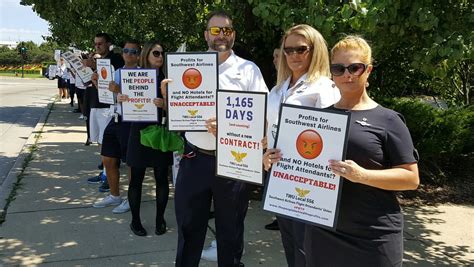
<point x="424" y="245"/>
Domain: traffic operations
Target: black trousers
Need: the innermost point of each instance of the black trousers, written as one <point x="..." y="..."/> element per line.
<point x="196" y="186"/>
<point x="72" y="90"/>
<point x="292" y="236"/>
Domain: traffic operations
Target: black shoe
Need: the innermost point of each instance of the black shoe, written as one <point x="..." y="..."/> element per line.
<point x="100" y="166"/>
<point x="161" y="229"/>
<point x="72" y="104"/>
<point x="138" y="230"/>
<point x="87" y="143"/>
<point x="76" y="110"/>
<point x="272" y="226"/>
<point x="104" y="187"/>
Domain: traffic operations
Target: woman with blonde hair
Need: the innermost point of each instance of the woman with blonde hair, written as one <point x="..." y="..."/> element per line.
<point x="303" y="79"/>
<point x="381" y="160"/>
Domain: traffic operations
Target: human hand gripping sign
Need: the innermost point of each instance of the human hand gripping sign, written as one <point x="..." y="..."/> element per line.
<point x="163" y="85"/>
<point x="113" y="87"/>
<point x="347" y="169"/>
<point x="159" y="102"/>
<point x="211" y="125"/>
<point x="95" y="79"/>
<point x="122" y="98"/>
<point x="271" y="156"/>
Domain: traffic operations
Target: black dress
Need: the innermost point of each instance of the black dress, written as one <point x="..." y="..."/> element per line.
<point x="141" y="156"/>
<point x="369" y="230"/>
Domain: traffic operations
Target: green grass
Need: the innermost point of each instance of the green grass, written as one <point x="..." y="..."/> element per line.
<point x="19" y="75"/>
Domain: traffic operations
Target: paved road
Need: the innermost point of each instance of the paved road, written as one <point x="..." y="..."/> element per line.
<point x="22" y="102"/>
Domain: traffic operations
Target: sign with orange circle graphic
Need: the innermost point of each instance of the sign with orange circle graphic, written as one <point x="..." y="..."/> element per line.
<point x="193" y="93"/>
<point x="309" y="144"/>
<point x="192" y="78"/>
<point x="105" y="77"/>
<point x="301" y="184"/>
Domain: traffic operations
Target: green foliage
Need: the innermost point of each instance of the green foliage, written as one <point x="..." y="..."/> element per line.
<point x="420" y="47"/>
<point x="10" y="57"/>
<point x="35" y="54"/>
<point x="443" y="137"/>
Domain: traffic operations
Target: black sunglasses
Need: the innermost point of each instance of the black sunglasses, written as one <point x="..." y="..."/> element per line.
<point x="296" y="50"/>
<point x="355" y="69"/>
<point x="158" y="53"/>
<point x="131" y="51"/>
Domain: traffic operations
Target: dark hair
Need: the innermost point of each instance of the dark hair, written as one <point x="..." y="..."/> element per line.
<point x="219" y="13"/>
<point x="143" y="62"/>
<point x="133" y="41"/>
<point x="104" y="35"/>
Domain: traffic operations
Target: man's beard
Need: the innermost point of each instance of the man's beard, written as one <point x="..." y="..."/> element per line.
<point x="224" y="45"/>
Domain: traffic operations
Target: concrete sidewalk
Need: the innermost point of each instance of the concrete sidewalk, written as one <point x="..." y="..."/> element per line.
<point x="52" y="222"/>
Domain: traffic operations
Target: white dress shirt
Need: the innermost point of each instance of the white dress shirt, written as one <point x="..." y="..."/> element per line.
<point x="321" y="93"/>
<point x="235" y="74"/>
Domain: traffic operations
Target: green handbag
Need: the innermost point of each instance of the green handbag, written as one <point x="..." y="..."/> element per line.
<point x="158" y="137"/>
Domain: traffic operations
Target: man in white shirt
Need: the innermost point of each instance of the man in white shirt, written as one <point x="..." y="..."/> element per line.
<point x="197" y="184"/>
<point x="115" y="139"/>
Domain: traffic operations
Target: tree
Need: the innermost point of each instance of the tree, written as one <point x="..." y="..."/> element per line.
<point x="420" y="47"/>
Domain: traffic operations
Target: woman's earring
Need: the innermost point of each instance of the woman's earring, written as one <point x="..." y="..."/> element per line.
<point x="367" y="84"/>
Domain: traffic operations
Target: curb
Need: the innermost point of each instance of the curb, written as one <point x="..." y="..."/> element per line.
<point x="8" y="184"/>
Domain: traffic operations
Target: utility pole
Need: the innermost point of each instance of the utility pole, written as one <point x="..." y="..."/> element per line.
<point x="23" y="53"/>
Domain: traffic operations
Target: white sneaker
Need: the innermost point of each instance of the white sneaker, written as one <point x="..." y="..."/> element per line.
<point x="81" y="117"/>
<point x="210" y="254"/>
<point x="122" y="208"/>
<point x="108" y="201"/>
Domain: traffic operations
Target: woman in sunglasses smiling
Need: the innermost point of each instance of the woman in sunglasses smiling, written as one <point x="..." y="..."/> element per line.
<point x="140" y="157"/>
<point x="381" y="160"/>
<point x="303" y="79"/>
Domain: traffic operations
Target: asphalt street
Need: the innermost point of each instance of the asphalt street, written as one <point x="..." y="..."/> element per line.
<point x="22" y="102"/>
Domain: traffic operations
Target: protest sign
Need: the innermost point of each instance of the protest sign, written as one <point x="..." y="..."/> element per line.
<point x="52" y="71"/>
<point x="192" y="94"/>
<point x="301" y="185"/>
<point x="104" y="71"/>
<point x="241" y="128"/>
<point x="82" y="71"/>
<point x="140" y="86"/>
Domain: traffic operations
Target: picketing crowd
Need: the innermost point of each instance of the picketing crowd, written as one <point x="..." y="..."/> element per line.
<point x="380" y="158"/>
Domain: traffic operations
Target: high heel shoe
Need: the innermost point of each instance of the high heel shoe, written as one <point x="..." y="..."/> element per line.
<point x="138" y="229"/>
<point x="161" y="229"/>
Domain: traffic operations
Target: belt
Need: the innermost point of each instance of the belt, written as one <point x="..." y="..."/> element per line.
<point x="200" y="150"/>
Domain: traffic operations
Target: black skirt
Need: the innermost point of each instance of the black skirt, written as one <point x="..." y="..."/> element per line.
<point x="140" y="156"/>
<point x="61" y="83"/>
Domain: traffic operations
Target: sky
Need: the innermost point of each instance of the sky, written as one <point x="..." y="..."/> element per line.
<point x="20" y="23"/>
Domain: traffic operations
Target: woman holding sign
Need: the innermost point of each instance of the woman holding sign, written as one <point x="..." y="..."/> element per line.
<point x="381" y="159"/>
<point x="303" y="79"/>
<point x="140" y="157"/>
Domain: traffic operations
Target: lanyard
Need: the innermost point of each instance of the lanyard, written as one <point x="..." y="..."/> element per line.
<point x="290" y="91"/>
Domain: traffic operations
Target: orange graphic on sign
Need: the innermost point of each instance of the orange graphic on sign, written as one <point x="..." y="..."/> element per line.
<point x="103" y="73"/>
<point x="192" y="78"/>
<point x="309" y="144"/>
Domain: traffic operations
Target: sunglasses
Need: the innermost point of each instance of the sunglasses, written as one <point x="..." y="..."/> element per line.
<point x="158" y="53"/>
<point x="296" y="50"/>
<point x="130" y="51"/>
<point x="355" y="69"/>
<point x="227" y="31"/>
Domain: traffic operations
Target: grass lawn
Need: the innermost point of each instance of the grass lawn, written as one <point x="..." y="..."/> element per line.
<point x="19" y="75"/>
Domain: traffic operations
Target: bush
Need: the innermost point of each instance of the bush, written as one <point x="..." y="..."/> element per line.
<point x="444" y="138"/>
